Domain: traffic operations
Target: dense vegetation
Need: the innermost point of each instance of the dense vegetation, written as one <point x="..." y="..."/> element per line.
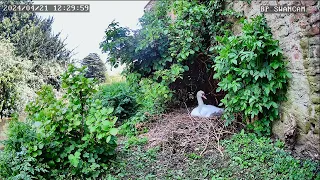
<point x="250" y="67"/>
<point x="31" y="55"/>
<point x="74" y="137"/>
<point x="182" y="47"/>
<point x="246" y="156"/>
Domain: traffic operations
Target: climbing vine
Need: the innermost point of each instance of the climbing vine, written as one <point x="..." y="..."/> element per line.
<point x="251" y="70"/>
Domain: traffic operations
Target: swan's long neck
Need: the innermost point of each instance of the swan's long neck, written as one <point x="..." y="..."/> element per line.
<point x="200" y="101"/>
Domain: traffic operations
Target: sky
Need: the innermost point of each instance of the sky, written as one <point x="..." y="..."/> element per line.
<point x="85" y="31"/>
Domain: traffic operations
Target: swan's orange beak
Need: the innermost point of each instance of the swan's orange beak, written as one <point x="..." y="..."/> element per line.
<point x="203" y="96"/>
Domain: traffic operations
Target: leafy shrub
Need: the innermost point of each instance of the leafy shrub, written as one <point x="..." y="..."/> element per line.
<point x="75" y="134"/>
<point x="13" y="71"/>
<point x="154" y="96"/>
<point x="120" y="96"/>
<point x="253" y="73"/>
<point x="18" y="160"/>
<point x="150" y="95"/>
<point x="258" y="157"/>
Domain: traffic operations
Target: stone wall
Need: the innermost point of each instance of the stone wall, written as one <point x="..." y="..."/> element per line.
<point x="299" y="38"/>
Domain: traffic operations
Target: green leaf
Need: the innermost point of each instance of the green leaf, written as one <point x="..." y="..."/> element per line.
<point x="108" y="139"/>
<point x="106" y="125"/>
<point x="114" y="131"/>
<point x="189" y="39"/>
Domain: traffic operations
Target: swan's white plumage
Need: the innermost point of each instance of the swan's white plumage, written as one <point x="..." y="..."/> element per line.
<point x="204" y="110"/>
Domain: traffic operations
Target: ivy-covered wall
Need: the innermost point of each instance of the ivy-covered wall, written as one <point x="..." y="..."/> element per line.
<point x="299" y="38"/>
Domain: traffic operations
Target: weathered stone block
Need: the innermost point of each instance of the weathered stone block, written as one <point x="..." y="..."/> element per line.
<point x="314" y="30"/>
<point x="314" y="18"/>
<point x="314" y="51"/>
<point x="309" y="2"/>
<point x="314" y="40"/>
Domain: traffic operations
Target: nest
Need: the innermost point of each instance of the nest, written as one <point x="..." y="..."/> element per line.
<point x="177" y="133"/>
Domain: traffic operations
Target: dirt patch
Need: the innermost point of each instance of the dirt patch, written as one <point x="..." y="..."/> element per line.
<point x="179" y="133"/>
<point x="3" y="126"/>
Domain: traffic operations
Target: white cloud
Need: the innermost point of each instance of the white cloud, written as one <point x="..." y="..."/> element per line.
<point x="86" y="30"/>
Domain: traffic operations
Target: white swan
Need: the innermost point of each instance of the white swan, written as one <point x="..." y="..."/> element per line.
<point x="205" y="110"/>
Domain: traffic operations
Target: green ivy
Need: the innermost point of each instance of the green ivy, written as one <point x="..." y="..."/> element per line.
<point x="252" y="71"/>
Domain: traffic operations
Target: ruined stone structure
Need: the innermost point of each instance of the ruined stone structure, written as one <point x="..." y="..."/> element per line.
<point x="299" y="38"/>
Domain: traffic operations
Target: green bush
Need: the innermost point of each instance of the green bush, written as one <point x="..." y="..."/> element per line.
<point x="121" y="97"/>
<point x="75" y="135"/>
<point x="13" y="72"/>
<point x="259" y="157"/>
<point x="252" y="71"/>
<point x="18" y="160"/>
<point x="151" y="96"/>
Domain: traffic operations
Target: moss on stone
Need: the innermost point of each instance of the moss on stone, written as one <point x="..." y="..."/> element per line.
<point x="313" y="84"/>
<point x="304" y="44"/>
<point x="317" y="108"/>
<point x="307" y="127"/>
<point x="315" y="99"/>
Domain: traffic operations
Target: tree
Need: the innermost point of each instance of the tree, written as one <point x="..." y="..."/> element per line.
<point x="32" y="36"/>
<point x="96" y="68"/>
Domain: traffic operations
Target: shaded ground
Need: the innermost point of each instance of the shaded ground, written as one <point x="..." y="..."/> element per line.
<point x="178" y="146"/>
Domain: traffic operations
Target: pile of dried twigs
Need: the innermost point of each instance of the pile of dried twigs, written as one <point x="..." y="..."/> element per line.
<point x="179" y="133"/>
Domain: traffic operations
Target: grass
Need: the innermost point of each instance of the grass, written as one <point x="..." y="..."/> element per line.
<point x="246" y="156"/>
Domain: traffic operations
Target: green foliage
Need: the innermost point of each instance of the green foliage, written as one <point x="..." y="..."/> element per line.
<point x="194" y="156"/>
<point x="13" y="71"/>
<point x="95" y="67"/>
<point x="258" y="157"/>
<point x="135" y="141"/>
<point x="154" y="96"/>
<point x="246" y="156"/>
<point x="128" y="128"/>
<point x="18" y="160"/>
<point x="121" y="97"/>
<point x="134" y="163"/>
<point x="251" y="69"/>
<point x="32" y="36"/>
<point x="143" y="51"/>
<point x="172" y="37"/>
<point x="76" y="137"/>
